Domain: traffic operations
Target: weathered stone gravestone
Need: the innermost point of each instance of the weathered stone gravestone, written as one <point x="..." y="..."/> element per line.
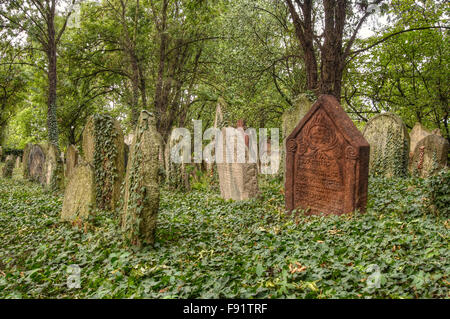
<point x="25" y="158"/>
<point x="290" y="119"/>
<point x="128" y="139"/>
<point x="103" y="148"/>
<point x="71" y="160"/>
<point x="417" y="133"/>
<point x="326" y="162"/>
<point x="79" y="195"/>
<point x="141" y="202"/>
<point x="9" y="166"/>
<point x="389" y="145"/>
<point x="176" y="175"/>
<point x="238" y="181"/>
<point x="430" y="156"/>
<point x="54" y="168"/>
<point x="18" y="162"/>
<point x="36" y="166"/>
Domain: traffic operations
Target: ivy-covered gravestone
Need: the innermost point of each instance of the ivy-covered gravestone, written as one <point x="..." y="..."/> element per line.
<point x="71" y="160"/>
<point x="429" y="156"/>
<point x="389" y="145"/>
<point x="290" y="119"/>
<point x="9" y="166"/>
<point x="36" y="165"/>
<point x="103" y="148"/>
<point x="79" y="195"/>
<point x="54" y="174"/>
<point x="141" y="202"/>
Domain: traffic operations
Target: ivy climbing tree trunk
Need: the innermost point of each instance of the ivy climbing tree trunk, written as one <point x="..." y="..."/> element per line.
<point x="52" y="122"/>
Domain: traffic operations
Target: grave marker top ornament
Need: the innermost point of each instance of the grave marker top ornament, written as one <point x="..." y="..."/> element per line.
<point x="327" y="161"/>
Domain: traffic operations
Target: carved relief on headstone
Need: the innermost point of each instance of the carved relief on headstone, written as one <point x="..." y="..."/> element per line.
<point x="326" y="162"/>
<point x="430" y="156"/>
<point x="389" y="145"/>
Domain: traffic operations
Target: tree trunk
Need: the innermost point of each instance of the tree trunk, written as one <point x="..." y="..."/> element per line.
<point x="52" y="122"/>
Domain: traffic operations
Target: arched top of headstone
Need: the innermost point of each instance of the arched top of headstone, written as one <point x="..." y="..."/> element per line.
<point x="333" y="114"/>
<point x="387" y="115"/>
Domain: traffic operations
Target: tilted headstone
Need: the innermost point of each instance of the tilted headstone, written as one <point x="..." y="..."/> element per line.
<point x="36" y="166"/>
<point x="417" y="133"/>
<point x="79" y="195"/>
<point x="389" y="145"/>
<point x="103" y="148"/>
<point x="430" y="156"/>
<point x="71" y="159"/>
<point x="326" y="162"/>
<point x="238" y="181"/>
<point x="141" y="202"/>
<point x="9" y="166"/>
<point x="54" y="168"/>
<point x="290" y="119"/>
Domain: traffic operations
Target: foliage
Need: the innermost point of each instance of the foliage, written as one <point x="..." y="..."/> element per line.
<point x="105" y="159"/>
<point x="210" y="248"/>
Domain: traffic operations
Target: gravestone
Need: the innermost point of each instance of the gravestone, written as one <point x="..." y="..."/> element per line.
<point x="71" y="159"/>
<point x="430" y="156"/>
<point x="9" y="166"/>
<point x="289" y="119"/>
<point x="417" y="133"/>
<point x="1" y="153"/>
<point x="54" y="168"/>
<point x="103" y="148"/>
<point x="25" y="157"/>
<point x="389" y="145"/>
<point x="176" y="175"/>
<point x="326" y="162"/>
<point x="141" y="202"/>
<point x="18" y="162"/>
<point x="36" y="165"/>
<point x="237" y="181"/>
<point x="79" y="195"/>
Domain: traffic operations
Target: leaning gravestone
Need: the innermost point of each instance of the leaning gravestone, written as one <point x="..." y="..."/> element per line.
<point x="238" y="181"/>
<point x="326" y="162"/>
<point x="9" y="166"/>
<point x="103" y="148"/>
<point x="389" y="145"/>
<point x="36" y="168"/>
<point x="290" y="119"/>
<point x="430" y="156"/>
<point x="54" y="169"/>
<point x="417" y="133"/>
<point x="71" y="159"/>
<point x="141" y="201"/>
<point x="79" y="195"/>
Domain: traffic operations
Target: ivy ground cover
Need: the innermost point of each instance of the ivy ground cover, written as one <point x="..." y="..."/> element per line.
<point x="210" y="248"/>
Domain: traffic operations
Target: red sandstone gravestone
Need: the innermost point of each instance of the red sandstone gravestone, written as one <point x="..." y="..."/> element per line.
<point x="327" y="162"/>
